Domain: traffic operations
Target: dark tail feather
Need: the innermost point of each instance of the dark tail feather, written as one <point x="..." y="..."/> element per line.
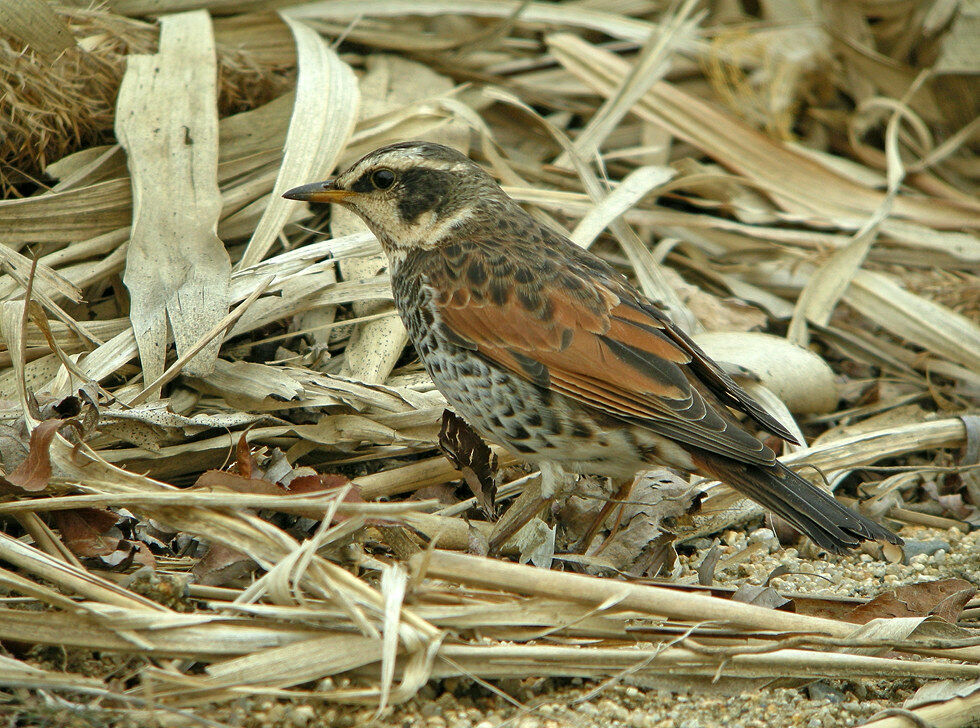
<point x="807" y="508"/>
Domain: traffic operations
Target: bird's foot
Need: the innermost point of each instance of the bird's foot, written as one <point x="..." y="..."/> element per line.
<point x="621" y="493"/>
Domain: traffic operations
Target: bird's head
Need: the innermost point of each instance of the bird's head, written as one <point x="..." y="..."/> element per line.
<point x="411" y="194"/>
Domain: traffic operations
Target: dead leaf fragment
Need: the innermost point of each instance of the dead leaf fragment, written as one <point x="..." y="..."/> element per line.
<point x="235" y="482"/>
<point x="177" y="269"/>
<point x="944" y="598"/>
<point x="941" y="691"/>
<point x="643" y="543"/>
<point x="469" y="454"/>
<point x="222" y="565"/>
<point x="762" y="596"/>
<point x="86" y="531"/>
<point x="33" y="474"/>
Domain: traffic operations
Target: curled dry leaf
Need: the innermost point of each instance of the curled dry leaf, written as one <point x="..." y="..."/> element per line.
<point x="244" y="462"/>
<point x="706" y="570"/>
<point x="944" y="598"/>
<point x="472" y="457"/>
<point x="34" y="473"/>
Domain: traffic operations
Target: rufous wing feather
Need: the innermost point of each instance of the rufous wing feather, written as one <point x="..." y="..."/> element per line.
<point x="604" y="353"/>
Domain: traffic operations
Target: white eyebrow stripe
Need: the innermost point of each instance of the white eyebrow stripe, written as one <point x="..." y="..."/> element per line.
<point x="401" y="162"/>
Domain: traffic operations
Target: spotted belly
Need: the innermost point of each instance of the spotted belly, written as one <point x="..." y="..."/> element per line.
<point x="533" y="422"/>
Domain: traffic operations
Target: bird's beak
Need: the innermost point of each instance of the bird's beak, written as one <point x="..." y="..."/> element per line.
<point x="318" y="192"/>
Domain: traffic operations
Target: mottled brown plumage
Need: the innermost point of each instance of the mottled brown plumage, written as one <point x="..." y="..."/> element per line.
<point x="545" y="349"/>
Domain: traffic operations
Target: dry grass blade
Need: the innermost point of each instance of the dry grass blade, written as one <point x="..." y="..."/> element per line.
<point x="630" y="191"/>
<point x="208" y="339"/>
<point x="35" y="23"/>
<point x="323" y="118"/>
<point x="176" y="268"/>
<point x="651" y="66"/>
<point x="616" y="25"/>
<point x="827" y="285"/>
<point x="787" y="176"/>
<point x="70" y="577"/>
<point x="934" y="327"/>
<point x="957" y="712"/>
<point x="17" y="674"/>
<point x="516" y="661"/>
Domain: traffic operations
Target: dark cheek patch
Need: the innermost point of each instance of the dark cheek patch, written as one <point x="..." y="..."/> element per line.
<point x="422" y="190"/>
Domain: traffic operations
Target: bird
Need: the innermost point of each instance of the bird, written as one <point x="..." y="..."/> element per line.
<point x="545" y="349"/>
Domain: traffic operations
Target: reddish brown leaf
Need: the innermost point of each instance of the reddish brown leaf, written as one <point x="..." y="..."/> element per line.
<point x="303" y="484"/>
<point x="235" y="482"/>
<point x="85" y="531"/>
<point x="245" y="464"/>
<point x="221" y="565"/>
<point x="317" y="483"/>
<point x="141" y="554"/>
<point x="944" y="598"/>
<point x="442" y="492"/>
<point x="34" y="473"/>
<point x="831" y="607"/>
<point x="321" y="483"/>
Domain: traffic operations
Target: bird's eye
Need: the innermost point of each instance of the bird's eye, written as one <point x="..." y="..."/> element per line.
<point x="383" y="179"/>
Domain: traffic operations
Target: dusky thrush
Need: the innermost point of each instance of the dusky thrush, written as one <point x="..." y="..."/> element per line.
<point x="545" y="349"/>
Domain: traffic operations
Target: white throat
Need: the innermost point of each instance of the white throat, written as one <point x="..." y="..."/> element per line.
<point x="426" y="231"/>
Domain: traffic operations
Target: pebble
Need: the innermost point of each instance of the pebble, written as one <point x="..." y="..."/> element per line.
<point x="300" y="716"/>
<point x="822" y="690"/>
<point x="916" y="547"/>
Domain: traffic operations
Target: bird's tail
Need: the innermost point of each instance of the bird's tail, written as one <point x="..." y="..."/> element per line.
<point x="809" y="509"/>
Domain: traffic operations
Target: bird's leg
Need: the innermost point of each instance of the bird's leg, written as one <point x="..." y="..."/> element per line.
<point x="527" y="505"/>
<point x="622" y="492"/>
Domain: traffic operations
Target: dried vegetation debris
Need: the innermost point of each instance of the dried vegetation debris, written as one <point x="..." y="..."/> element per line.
<point x="261" y="507"/>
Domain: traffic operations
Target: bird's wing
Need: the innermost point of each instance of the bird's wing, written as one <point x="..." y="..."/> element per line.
<point x="593" y="339"/>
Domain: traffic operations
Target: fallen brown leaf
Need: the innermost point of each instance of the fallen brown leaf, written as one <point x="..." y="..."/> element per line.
<point x="33" y="474"/>
<point x="944" y="598"/>
<point x="221" y="565"/>
<point x="86" y="530"/>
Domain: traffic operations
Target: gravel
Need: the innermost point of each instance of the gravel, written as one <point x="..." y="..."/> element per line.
<point x="933" y="555"/>
<point x="556" y="705"/>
